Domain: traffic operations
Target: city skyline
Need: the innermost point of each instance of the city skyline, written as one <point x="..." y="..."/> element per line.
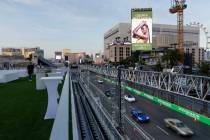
<point x="56" y="24"/>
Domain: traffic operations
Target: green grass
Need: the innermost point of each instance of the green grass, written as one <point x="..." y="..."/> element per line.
<point x="22" y="111"/>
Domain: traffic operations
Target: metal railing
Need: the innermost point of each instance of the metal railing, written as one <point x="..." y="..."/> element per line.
<point x="109" y="106"/>
<point x="101" y="113"/>
<point x="162" y="86"/>
<point x="187" y="85"/>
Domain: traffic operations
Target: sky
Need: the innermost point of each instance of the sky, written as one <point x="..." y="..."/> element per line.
<point x="79" y="24"/>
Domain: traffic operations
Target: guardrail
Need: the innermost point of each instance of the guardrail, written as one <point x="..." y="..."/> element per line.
<point x="60" y="130"/>
<point x="187" y="85"/>
<point x="131" y="129"/>
<point x="141" y="80"/>
<point x="105" y="120"/>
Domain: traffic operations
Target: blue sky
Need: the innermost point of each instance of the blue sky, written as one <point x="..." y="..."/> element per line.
<point x="79" y="24"/>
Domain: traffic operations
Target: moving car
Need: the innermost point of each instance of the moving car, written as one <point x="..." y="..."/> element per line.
<point x="178" y="126"/>
<point x="139" y="116"/>
<point x="74" y="66"/>
<point x="100" y="81"/>
<point x="129" y="98"/>
<point x="109" y="93"/>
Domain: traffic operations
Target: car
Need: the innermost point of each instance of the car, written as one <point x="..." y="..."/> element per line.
<point x="129" y="98"/>
<point x="178" y="126"/>
<point x="139" y="116"/>
<point x="74" y="66"/>
<point x="109" y="93"/>
<point x="100" y="81"/>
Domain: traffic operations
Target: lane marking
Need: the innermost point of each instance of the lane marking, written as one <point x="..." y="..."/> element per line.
<point x="164" y="131"/>
<point x="128" y="107"/>
<point x="144" y="133"/>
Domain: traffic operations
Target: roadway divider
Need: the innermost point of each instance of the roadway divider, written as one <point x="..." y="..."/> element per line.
<point x="187" y="112"/>
<point x="60" y="130"/>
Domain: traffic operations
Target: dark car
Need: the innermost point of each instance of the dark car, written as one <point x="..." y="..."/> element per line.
<point x="139" y="116"/>
<point x="109" y="93"/>
<point x="74" y="66"/>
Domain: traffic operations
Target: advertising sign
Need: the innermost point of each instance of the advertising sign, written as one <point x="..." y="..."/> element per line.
<point x="141" y="33"/>
<point x="58" y="57"/>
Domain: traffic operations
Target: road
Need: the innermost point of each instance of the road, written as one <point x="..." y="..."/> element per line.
<point x="157" y="113"/>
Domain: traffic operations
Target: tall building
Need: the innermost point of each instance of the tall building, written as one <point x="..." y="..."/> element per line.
<point x="65" y="53"/>
<point x="74" y="58"/>
<point x="118" y="34"/>
<point x="66" y="50"/>
<point x="119" y="52"/>
<point x="11" y="51"/>
<point x="7" y="62"/>
<point x="98" y="58"/>
<point x="26" y="52"/>
<point x="164" y="36"/>
<point x="58" y="55"/>
<point x="197" y="54"/>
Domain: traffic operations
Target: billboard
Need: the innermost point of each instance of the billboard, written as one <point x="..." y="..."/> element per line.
<point x="141" y="29"/>
<point x="58" y="57"/>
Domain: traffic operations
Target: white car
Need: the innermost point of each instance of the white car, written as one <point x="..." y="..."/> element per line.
<point x="129" y="98"/>
<point x="178" y="126"/>
<point x="100" y="81"/>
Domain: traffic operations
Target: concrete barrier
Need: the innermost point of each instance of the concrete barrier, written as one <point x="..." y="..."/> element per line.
<point x="11" y="75"/>
<point x="60" y="130"/>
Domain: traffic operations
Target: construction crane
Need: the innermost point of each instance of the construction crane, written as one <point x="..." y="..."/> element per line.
<point x="178" y="6"/>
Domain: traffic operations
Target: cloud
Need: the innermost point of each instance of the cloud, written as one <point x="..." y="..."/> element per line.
<point x="26" y="2"/>
<point x="78" y="23"/>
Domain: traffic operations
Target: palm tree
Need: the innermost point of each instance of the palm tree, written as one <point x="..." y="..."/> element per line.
<point x="171" y="57"/>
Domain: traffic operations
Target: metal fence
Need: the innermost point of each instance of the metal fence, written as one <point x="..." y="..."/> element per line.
<point x="187" y="85"/>
<point x="109" y="106"/>
<point x="187" y="102"/>
<point x="152" y="83"/>
<point x="101" y="112"/>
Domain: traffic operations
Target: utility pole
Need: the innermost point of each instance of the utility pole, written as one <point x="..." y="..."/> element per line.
<point x="120" y="98"/>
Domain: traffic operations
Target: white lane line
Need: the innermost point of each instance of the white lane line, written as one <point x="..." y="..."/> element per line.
<point x="143" y="132"/>
<point x="162" y="130"/>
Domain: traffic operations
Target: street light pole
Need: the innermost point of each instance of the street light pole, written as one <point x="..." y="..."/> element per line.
<point x="119" y="68"/>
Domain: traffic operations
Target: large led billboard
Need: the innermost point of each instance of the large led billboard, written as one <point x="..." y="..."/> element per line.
<point x="141" y="33"/>
<point x="58" y="57"/>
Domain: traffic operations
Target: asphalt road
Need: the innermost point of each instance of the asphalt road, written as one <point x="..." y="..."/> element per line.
<point x="157" y="113"/>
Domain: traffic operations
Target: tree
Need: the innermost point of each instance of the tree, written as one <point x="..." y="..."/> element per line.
<point x="171" y="57"/>
<point x="158" y="66"/>
<point x="129" y="61"/>
<point x="204" y="68"/>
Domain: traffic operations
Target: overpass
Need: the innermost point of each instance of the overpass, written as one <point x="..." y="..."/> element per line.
<point x="160" y="95"/>
<point x="170" y="95"/>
